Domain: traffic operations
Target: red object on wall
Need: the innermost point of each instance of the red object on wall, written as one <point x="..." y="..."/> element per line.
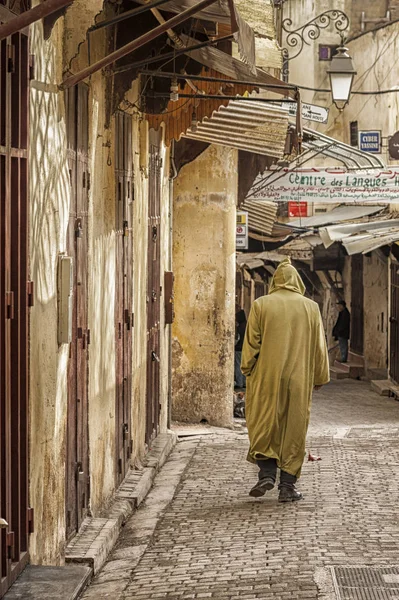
<point x="297" y="209"/>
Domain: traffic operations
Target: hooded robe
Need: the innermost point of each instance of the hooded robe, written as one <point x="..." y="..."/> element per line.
<point x="284" y="356"/>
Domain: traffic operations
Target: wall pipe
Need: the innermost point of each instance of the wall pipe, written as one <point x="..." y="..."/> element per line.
<point x="31" y="16"/>
<point x="134" y="44"/>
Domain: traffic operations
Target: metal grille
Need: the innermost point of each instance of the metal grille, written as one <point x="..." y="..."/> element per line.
<point x="366" y="583"/>
<point x="15" y="298"/>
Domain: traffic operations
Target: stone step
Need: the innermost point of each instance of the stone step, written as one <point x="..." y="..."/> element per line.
<point x="97" y="536"/>
<point x="355" y="359"/>
<point x="382" y="387"/>
<point x="354" y="370"/>
<point x="337" y="373"/>
<point x="46" y="583"/>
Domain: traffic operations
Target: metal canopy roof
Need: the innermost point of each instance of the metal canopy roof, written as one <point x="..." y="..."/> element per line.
<point x="246" y="125"/>
<point x="261" y="215"/>
<point x="232" y="67"/>
<point x="222" y="11"/>
<point x="351" y="157"/>
<point x="362" y="237"/>
<point x="337" y="215"/>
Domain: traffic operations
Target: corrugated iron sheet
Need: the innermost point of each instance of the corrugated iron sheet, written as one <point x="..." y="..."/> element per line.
<point x="220" y="13"/>
<point x="361" y="238"/>
<point x="261" y="215"/>
<point x="337" y="215"/>
<point x="232" y="67"/>
<point x="246" y="125"/>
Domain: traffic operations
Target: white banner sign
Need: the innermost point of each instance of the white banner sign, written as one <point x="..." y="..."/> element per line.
<point x="327" y="185"/>
<point x="310" y="112"/>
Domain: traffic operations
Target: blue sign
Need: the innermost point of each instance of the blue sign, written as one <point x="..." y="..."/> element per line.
<point x="370" y="141"/>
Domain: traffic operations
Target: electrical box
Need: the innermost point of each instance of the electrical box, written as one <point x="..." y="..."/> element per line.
<point x="65" y="298"/>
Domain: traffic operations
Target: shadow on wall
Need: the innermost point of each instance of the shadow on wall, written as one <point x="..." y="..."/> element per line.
<point x="49" y="211"/>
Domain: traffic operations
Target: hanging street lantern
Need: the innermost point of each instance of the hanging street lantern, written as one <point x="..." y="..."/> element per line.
<point x="342" y="73"/>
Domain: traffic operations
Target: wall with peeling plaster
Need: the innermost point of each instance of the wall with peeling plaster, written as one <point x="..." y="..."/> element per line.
<point x="50" y="205"/>
<point x="49" y="213"/>
<point x="204" y="265"/>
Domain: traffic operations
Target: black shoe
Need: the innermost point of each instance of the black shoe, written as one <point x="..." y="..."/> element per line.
<point x="263" y="486"/>
<point x="289" y="494"/>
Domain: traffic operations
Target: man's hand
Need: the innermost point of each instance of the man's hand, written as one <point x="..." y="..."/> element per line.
<point x="317" y="388"/>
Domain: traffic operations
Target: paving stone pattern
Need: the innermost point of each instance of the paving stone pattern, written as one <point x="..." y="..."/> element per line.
<point x="206" y="538"/>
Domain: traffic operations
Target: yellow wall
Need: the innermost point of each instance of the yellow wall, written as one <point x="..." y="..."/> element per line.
<point x="204" y="266"/>
<point x="50" y="206"/>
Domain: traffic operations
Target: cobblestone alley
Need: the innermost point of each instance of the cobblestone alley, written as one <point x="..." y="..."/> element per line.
<point x="199" y="534"/>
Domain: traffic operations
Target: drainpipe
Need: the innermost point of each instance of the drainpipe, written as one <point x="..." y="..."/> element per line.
<point x="172" y="177"/>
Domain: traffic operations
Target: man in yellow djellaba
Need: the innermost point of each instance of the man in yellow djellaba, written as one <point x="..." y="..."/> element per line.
<point x="284" y="358"/>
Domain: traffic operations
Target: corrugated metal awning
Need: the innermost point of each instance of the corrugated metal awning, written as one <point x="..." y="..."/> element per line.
<point x="232" y="67"/>
<point x="360" y="238"/>
<point x="223" y="11"/>
<point x="337" y="215"/>
<point x="246" y="125"/>
<point x="261" y="215"/>
<point x="351" y="157"/>
<point x="249" y="260"/>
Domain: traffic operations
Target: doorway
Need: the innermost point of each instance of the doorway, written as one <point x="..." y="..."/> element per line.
<point x="153" y="290"/>
<point x="123" y="290"/>
<point x="77" y="459"/>
<point x="357" y="310"/>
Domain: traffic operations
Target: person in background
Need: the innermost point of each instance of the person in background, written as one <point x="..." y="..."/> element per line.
<point x="284" y="358"/>
<point x="241" y="323"/>
<point x="341" y="331"/>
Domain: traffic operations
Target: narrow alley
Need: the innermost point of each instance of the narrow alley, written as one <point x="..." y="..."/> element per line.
<point x="199" y="535"/>
<point x="199" y="227"/>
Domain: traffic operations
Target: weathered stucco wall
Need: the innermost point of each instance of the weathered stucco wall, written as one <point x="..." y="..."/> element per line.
<point x="49" y="212"/>
<point x="204" y="265"/>
<point x="375" y="310"/>
<point x="101" y="297"/>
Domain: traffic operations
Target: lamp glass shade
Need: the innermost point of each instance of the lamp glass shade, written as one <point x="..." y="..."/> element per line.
<point x="341" y="84"/>
<point x="341" y="74"/>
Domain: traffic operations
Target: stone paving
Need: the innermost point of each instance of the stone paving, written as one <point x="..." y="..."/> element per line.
<point x="199" y="535"/>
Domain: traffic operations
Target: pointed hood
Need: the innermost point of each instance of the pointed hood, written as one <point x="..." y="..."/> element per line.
<point x="287" y="277"/>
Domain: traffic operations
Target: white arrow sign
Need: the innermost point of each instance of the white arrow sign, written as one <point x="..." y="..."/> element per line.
<point x="310" y="112"/>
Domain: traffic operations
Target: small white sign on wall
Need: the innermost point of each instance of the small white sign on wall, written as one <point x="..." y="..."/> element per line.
<point x="242" y="230"/>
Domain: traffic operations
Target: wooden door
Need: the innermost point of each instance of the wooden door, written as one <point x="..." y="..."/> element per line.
<point x="16" y="295"/>
<point x="153" y="292"/>
<point x="394" y="324"/>
<point x="357" y="310"/>
<point x="123" y="290"/>
<point x="77" y="460"/>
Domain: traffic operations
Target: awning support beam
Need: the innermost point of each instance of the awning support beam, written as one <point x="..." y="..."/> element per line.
<point x="31" y="16"/>
<point x="166" y="75"/>
<point x="174" y="54"/>
<point x="222" y="97"/>
<point x="134" y="44"/>
<point x="127" y="14"/>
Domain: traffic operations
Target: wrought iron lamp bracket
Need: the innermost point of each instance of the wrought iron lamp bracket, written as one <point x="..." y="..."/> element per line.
<point x="304" y="35"/>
